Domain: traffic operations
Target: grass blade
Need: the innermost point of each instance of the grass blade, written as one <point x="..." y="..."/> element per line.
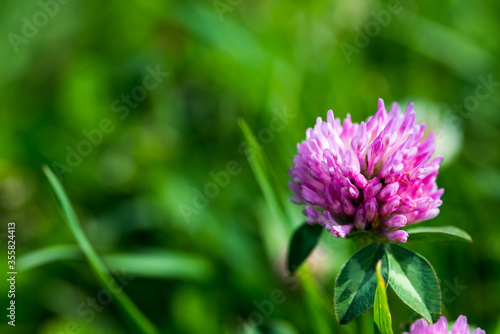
<point x="162" y="264"/>
<point x="47" y="255"/>
<point x="147" y="263"/>
<point x="262" y="171"/>
<point x="131" y="310"/>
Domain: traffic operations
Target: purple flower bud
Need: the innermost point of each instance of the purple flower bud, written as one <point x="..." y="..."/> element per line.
<point x="409" y="153"/>
<point x="341" y="230"/>
<point x="395" y="221"/>
<point x="409" y="108"/>
<point x="396" y="236"/>
<point x="297" y="197"/>
<point x="349" y="189"/>
<point x="388" y="135"/>
<point x="372" y="188"/>
<point x="360" y="181"/>
<point x="390" y="206"/>
<point x="381" y="105"/>
<point x="359" y="218"/>
<point x="359" y="142"/>
<point x="388" y="191"/>
<point x="423" y="172"/>
<point x="311" y="215"/>
<point x="432" y="213"/>
<point x="311" y="196"/>
<point x="423" y="203"/>
<point x="407" y="125"/>
<point x="349" y="209"/>
<point x="375" y="153"/>
<point x="392" y="166"/>
<point x="350" y="164"/>
<point x="329" y="218"/>
<point x="395" y="110"/>
<point x="371" y="208"/>
<point x="311" y="211"/>
<point x="311" y="220"/>
<point x="407" y="205"/>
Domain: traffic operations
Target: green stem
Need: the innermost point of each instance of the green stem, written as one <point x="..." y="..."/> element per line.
<point x="100" y="269"/>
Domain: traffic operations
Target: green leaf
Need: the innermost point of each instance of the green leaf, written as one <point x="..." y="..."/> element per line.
<point x="442" y="233"/>
<point x="357" y="281"/>
<point x="381" y="312"/>
<point x="414" y="281"/>
<point x="303" y="242"/>
<point x="102" y="273"/>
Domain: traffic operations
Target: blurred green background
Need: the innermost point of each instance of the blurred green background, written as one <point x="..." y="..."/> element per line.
<point x="210" y="263"/>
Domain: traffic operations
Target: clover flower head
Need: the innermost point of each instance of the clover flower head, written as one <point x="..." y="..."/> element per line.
<point x="441" y="327"/>
<point x="374" y="176"/>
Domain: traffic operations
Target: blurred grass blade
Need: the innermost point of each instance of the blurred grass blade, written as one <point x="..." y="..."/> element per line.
<point x="302" y="244"/>
<point x="262" y="172"/>
<point x="447" y="46"/>
<point x="278" y="326"/>
<point x="441" y="233"/>
<point x="96" y="263"/>
<point x="47" y="255"/>
<point x="319" y="308"/>
<point x="381" y="312"/>
<point x="162" y="264"/>
<point x="147" y="263"/>
<point x="497" y="329"/>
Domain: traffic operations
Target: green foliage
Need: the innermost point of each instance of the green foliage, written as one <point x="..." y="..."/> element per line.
<point x="414" y="281"/>
<point x="440" y="233"/>
<point x="381" y="312"/>
<point x="408" y="273"/>
<point x="303" y="241"/>
<point x="357" y="281"/>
